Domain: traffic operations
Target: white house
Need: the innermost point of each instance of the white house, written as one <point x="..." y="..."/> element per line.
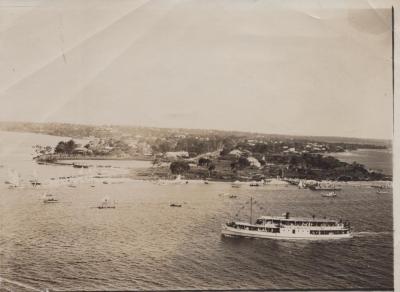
<point x="236" y="152"/>
<point x="254" y="162"/>
<point x="177" y="154"/>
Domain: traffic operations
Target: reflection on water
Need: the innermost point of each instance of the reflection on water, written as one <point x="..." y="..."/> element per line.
<point x="146" y="244"/>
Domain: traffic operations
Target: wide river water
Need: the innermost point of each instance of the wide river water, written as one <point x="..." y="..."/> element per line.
<point x="145" y="244"/>
<point x="374" y="159"/>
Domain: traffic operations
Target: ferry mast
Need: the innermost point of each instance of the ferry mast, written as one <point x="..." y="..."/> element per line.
<point x="251" y="209"/>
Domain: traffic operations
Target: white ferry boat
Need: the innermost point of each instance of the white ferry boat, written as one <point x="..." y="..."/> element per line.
<point x="286" y="227"/>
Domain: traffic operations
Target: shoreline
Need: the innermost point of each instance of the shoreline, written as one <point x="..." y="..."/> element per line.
<point x="137" y="175"/>
<point x="54" y="159"/>
<point x="273" y="182"/>
<point x="163" y="173"/>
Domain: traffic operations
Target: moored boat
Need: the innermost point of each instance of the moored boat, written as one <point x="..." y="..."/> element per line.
<point x="14" y="180"/>
<point x="49" y="198"/>
<point x="35" y="183"/>
<point x="78" y="165"/>
<point x="106" y="204"/>
<point x="330" y="195"/>
<point x="384" y="188"/>
<point x="325" y="188"/>
<point x="175" y="205"/>
<point x="383" y="192"/>
<point x="236" y="184"/>
<point x="254" y="184"/>
<point x="35" y="180"/>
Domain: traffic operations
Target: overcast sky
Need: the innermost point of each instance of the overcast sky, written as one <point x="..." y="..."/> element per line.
<point x="266" y="66"/>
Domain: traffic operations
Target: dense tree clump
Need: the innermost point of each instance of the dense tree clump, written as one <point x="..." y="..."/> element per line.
<point x="204" y="161"/>
<point x="319" y="161"/>
<point x="179" y="167"/>
<point x="211" y="168"/>
<point x="65" y="147"/>
<point x="241" y="163"/>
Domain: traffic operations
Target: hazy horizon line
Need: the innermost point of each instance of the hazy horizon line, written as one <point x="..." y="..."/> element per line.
<point x="204" y="129"/>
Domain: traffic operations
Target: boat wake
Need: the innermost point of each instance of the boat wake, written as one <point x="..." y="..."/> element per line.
<point x="19" y="284"/>
<point x="370" y="233"/>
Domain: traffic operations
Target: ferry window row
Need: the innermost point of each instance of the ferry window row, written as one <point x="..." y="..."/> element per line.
<point x="327" y="232"/>
<point x="254" y="228"/>
<point x="296" y="223"/>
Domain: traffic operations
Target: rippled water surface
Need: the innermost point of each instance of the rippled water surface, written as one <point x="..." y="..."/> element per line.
<point x="146" y="244"/>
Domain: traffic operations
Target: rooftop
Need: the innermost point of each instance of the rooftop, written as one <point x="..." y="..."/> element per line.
<point x="307" y="219"/>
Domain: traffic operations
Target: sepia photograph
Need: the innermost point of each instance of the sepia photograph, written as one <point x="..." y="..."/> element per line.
<point x="198" y="145"/>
